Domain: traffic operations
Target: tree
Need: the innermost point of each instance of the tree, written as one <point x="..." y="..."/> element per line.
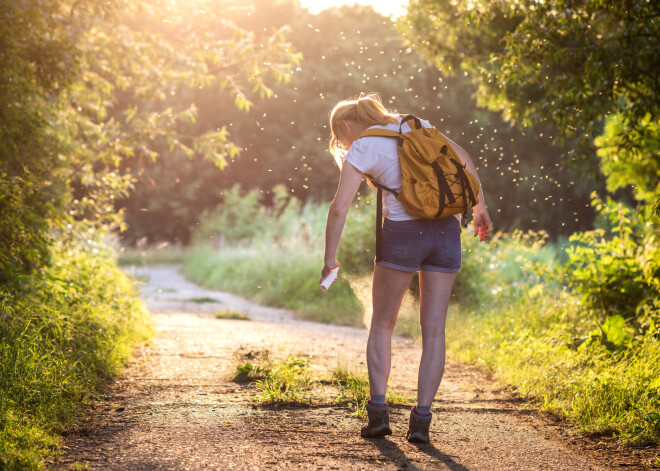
<point x="353" y="49"/>
<point x="87" y="85"/>
<point x="574" y="64"/>
<point x="346" y="51"/>
<point x="39" y="61"/>
<point x="589" y="68"/>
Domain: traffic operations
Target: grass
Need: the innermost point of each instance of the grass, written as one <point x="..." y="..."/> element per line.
<point x="80" y="466"/>
<point x="280" y="278"/>
<point x="229" y="314"/>
<point x="537" y="346"/>
<point x="285" y="279"/>
<point x="249" y="368"/>
<point x="202" y="299"/>
<point x="286" y="381"/>
<point x="290" y="382"/>
<point x="163" y="254"/>
<point x="62" y="337"/>
<point x="278" y="261"/>
<point x="353" y="386"/>
<point x="536" y="335"/>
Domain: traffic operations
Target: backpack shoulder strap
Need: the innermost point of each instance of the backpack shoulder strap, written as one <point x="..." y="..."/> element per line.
<point x="378" y="133"/>
<point x="416" y="121"/>
<point x="379" y="186"/>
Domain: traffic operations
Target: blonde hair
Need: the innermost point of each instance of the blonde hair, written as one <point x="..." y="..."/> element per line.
<point x="366" y="109"/>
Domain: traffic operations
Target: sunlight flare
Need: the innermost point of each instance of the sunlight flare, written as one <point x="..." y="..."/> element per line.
<point x="384" y="7"/>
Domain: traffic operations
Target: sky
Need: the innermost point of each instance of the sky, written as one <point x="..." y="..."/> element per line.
<point x="385" y="7"/>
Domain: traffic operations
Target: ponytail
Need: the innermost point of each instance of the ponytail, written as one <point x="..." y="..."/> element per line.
<point x="366" y="109"/>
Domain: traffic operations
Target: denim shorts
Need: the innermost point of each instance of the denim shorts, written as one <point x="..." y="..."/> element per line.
<point x="422" y="244"/>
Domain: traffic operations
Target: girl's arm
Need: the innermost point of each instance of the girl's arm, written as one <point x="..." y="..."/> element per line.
<point x="349" y="182"/>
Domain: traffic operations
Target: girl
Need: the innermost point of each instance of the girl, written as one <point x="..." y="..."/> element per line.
<point x="430" y="246"/>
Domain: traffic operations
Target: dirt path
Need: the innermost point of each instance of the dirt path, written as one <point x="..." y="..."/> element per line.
<point x="176" y="408"/>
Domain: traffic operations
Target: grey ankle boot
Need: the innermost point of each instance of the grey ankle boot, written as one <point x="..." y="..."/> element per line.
<point x="379" y="422"/>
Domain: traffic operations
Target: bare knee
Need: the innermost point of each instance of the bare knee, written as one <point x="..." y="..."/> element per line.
<point x="383" y="323"/>
<point x="433" y="330"/>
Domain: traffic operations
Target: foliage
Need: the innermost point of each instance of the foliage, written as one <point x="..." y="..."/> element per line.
<point x="358" y="247"/>
<point x="86" y="86"/>
<point x="60" y="339"/>
<point x="353" y="385"/>
<point x="238" y="218"/>
<point x="38" y="61"/>
<point x="571" y="64"/>
<point x="243" y="372"/>
<point x="273" y="259"/>
<point x="630" y="155"/>
<point x="508" y="266"/>
<point x="580" y="337"/>
<point x="283" y="140"/>
<point x="23" y="238"/>
<point x="616" y="268"/>
<point x="162" y="254"/>
<point x="548" y="347"/>
<point x="230" y="314"/>
<point x="251" y="366"/>
<point x="285" y="382"/>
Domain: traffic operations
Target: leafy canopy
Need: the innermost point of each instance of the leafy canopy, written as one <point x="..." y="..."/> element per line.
<point x="86" y="85"/>
<point x="283" y="140"/>
<point x="573" y="64"/>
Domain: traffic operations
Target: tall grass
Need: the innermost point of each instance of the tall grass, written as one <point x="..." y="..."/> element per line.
<point x="60" y="339"/>
<point x="275" y="277"/>
<point x="162" y="254"/>
<point x="540" y="345"/>
<point x="280" y="265"/>
<point x="536" y="334"/>
<point x="352" y="383"/>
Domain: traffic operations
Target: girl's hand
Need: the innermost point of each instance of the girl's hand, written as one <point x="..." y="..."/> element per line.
<point x="327" y="269"/>
<point x="481" y="223"/>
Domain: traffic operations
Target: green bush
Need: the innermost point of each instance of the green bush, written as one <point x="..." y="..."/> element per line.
<point x="503" y="269"/>
<point x="276" y="259"/>
<point x="24" y="243"/>
<point x="357" y="247"/>
<point x="616" y="268"/>
<point x="239" y="218"/>
<point x="61" y="338"/>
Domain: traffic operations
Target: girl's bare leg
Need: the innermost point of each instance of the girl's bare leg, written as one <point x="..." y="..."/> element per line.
<point x="389" y="286"/>
<point x="435" y="293"/>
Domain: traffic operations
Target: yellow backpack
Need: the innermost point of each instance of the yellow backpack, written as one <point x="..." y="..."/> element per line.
<point x="434" y="182"/>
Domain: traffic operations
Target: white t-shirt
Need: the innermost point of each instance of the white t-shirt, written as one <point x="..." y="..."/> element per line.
<point x="378" y="157"/>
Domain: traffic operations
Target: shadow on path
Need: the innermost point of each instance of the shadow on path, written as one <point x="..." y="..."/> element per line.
<point x="397" y="456"/>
